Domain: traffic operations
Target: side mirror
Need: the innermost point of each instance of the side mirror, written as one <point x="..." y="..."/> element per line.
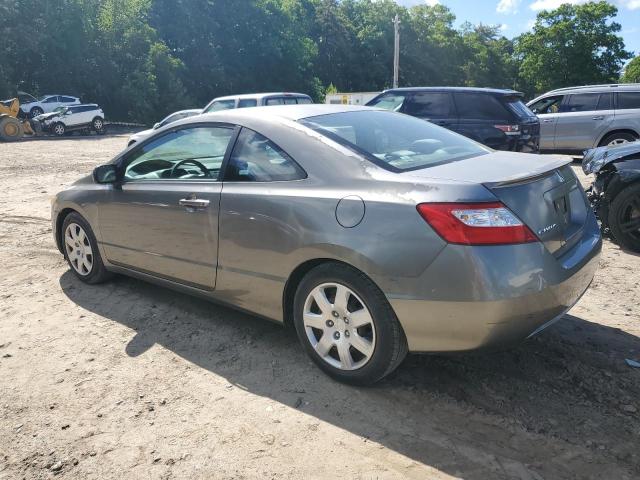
<point x="105" y="174"/>
<point x="156" y="126"/>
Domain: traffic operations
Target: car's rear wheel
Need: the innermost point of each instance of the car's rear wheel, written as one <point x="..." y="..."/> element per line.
<point x="35" y="111"/>
<point x="624" y="217"/>
<point x="59" y="129"/>
<point x="81" y="250"/>
<point x="347" y="326"/>
<point x="617" y="138"/>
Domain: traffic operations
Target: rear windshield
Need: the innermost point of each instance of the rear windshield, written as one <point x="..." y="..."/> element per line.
<point x="395" y="141"/>
<point x="519" y="108"/>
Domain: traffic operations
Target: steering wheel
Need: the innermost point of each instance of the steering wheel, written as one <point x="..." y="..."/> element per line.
<point x="193" y="162"/>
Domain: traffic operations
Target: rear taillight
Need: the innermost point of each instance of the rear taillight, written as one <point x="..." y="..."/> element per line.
<point x="509" y="129"/>
<point x="476" y="223"/>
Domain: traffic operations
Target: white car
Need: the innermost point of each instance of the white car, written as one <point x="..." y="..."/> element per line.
<point x="137" y="137"/>
<point x="76" y="117"/>
<point x="256" y="100"/>
<point x="33" y="107"/>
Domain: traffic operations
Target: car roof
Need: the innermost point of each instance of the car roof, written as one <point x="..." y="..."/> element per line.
<point x="84" y="105"/>
<point x="278" y="112"/>
<point x="493" y="91"/>
<point x="59" y="95"/>
<point x="612" y="87"/>
<point x="260" y="95"/>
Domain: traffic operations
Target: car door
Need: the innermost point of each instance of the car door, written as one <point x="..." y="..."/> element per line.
<point x="73" y="116"/>
<point x="627" y="111"/>
<point x="547" y="109"/>
<point x="49" y="104"/>
<point x="256" y="232"/>
<point x="583" y="118"/>
<point x="434" y="107"/>
<point x="162" y="218"/>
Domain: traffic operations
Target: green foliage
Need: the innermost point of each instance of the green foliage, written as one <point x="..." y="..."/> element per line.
<point x="572" y="45"/>
<point x="142" y="59"/>
<point x="631" y="71"/>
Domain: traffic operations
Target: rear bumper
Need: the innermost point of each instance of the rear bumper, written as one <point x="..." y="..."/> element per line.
<point x="482" y="297"/>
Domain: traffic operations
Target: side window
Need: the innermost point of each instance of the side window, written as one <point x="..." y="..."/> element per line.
<point x="304" y="101"/>
<point x="67" y="99"/>
<point x="628" y="100"/>
<point x="429" y="105"/>
<point x="247" y="102"/>
<point x="290" y="101"/>
<point x="255" y="158"/>
<point x="605" y="102"/>
<point x="547" y="105"/>
<point x="51" y="100"/>
<point x="274" y="101"/>
<point x="390" y="101"/>
<point x="221" y="105"/>
<point x="581" y="102"/>
<point x="480" y="106"/>
<point x="191" y="153"/>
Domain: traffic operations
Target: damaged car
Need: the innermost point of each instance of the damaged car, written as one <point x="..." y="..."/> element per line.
<point x="615" y="193"/>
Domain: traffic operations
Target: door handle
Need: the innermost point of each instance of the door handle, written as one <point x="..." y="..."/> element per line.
<point x="598" y="117"/>
<point x="193" y="203"/>
<point x="548" y="120"/>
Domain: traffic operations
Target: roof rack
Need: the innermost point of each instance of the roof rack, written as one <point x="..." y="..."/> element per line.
<point x="610" y="85"/>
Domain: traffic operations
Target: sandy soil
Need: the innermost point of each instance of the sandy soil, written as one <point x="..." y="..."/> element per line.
<point x="129" y="380"/>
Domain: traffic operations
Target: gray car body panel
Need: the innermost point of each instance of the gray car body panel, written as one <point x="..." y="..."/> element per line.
<point x="446" y="297"/>
<point x="578" y="131"/>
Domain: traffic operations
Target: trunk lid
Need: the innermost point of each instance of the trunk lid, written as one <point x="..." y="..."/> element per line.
<point x="542" y="190"/>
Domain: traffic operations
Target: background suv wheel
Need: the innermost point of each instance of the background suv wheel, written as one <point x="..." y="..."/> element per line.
<point x="617" y="138"/>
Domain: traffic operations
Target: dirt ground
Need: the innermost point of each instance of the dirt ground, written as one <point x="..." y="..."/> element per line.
<point x="130" y="380"/>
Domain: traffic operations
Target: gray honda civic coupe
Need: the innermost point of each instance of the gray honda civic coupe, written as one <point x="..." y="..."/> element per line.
<point x="373" y="233"/>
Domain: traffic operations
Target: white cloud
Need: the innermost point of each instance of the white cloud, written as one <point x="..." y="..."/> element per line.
<point x="509" y="6"/>
<point x="553" y="4"/>
<point x="504" y="27"/>
<point x="432" y="3"/>
<point x="630" y="4"/>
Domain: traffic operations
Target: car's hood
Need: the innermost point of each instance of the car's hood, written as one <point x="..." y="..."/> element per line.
<point x="493" y="168"/>
<point x="596" y="158"/>
<point x="45" y="116"/>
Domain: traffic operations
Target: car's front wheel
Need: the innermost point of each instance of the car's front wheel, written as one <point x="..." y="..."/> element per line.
<point x="98" y="125"/>
<point x="347" y="326"/>
<point x="624" y="217"/>
<point x="81" y="250"/>
<point x="59" y="129"/>
<point x="35" y="111"/>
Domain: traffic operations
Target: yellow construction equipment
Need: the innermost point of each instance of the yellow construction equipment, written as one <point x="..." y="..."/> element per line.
<point x="12" y="127"/>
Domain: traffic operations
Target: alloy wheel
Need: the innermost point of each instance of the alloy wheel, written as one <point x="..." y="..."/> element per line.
<point x="617" y="141"/>
<point x="630" y="217"/>
<point x="58" y="129"/>
<point x="97" y="124"/>
<point x="339" y="326"/>
<point x="78" y="249"/>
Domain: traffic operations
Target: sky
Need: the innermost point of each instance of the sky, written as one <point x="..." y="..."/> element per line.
<point x="517" y="16"/>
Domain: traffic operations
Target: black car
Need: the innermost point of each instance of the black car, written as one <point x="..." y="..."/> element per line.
<point x="496" y="118"/>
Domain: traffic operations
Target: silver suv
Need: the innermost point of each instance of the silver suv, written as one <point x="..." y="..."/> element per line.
<point x="578" y="118"/>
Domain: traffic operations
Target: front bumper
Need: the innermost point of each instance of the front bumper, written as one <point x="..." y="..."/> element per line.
<point x="482" y="297"/>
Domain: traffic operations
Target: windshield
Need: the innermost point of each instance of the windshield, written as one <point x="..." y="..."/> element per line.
<point x="395" y="141"/>
<point x="389" y="101"/>
<point x="220" y="105"/>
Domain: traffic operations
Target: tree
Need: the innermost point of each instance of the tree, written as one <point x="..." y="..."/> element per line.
<point x="632" y="71"/>
<point x="571" y="45"/>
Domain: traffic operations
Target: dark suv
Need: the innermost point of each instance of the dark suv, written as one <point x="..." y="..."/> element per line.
<point x="496" y="118"/>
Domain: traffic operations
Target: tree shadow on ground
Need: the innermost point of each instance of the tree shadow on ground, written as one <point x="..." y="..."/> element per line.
<point x="561" y="398"/>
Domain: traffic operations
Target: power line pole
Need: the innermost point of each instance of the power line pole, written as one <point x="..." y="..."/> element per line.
<point x="396" y="50"/>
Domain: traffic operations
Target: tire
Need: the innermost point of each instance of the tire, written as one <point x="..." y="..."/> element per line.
<point x="98" y="125"/>
<point x="617" y="138"/>
<point x="381" y="343"/>
<point x="624" y="214"/>
<point x="81" y="250"/>
<point x="35" y="111"/>
<point x="58" y="129"/>
<point x="10" y="129"/>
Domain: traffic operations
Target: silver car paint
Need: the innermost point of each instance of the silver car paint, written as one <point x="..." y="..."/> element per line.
<point x="578" y="131"/>
<point x="446" y="297"/>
